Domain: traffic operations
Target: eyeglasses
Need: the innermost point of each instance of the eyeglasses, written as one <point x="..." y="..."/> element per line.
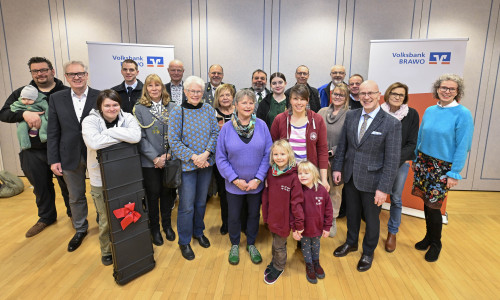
<point x="194" y="92"/>
<point x="302" y="73"/>
<point x="395" y="95"/>
<point x="338" y="95"/>
<point x="369" y="94"/>
<point x="337" y="73"/>
<point x="41" y="71"/>
<point x="78" y="74"/>
<point x="445" y="89"/>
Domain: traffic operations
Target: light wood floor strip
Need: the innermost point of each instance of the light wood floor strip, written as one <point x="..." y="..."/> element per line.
<point x="468" y="268"/>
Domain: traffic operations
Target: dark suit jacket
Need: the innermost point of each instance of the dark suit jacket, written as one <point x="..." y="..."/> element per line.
<point x="129" y="102"/>
<point x="169" y="90"/>
<point x="64" y="131"/>
<point x="373" y="162"/>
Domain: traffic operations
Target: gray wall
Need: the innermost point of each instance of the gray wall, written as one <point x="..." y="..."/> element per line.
<point x="273" y="35"/>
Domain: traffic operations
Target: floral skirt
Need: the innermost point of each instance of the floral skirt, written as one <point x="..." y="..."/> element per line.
<point x="430" y="180"/>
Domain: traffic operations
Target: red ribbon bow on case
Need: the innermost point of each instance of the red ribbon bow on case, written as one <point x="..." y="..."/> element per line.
<point x="128" y="213"/>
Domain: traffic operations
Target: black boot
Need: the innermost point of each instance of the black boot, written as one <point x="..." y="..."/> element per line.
<point x="436" y="226"/>
<point x="426" y="242"/>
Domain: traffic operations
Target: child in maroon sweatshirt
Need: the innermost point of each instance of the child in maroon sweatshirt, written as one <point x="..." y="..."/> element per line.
<point x="318" y="217"/>
<point x="281" y="202"/>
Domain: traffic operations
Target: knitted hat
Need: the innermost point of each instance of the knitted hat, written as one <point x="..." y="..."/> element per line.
<point x="29" y="92"/>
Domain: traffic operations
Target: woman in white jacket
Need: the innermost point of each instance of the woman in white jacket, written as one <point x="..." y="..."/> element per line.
<point x="105" y="126"/>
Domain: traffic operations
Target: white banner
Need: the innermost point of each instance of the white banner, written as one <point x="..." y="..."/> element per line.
<point x="105" y="62"/>
<point x="416" y="63"/>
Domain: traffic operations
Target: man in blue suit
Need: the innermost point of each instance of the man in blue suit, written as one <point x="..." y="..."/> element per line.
<point x="368" y="153"/>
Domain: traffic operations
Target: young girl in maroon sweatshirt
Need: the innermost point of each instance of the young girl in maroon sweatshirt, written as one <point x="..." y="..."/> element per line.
<point x="318" y="217"/>
<point x="281" y="204"/>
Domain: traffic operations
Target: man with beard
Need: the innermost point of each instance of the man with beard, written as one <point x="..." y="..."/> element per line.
<point x="259" y="82"/>
<point x="34" y="160"/>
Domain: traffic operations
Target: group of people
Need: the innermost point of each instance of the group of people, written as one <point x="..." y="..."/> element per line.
<point x="297" y="153"/>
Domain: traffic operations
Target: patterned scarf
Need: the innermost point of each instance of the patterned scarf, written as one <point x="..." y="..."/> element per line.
<point x="277" y="172"/>
<point x="398" y="114"/>
<point x="244" y="131"/>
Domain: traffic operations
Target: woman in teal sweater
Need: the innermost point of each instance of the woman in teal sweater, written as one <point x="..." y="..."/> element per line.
<point x="444" y="139"/>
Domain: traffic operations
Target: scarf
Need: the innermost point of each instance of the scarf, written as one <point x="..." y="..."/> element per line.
<point x="399" y="114"/>
<point x="243" y="131"/>
<point x="277" y="172"/>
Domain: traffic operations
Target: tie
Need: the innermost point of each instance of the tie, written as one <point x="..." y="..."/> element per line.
<point x="129" y="90"/>
<point x="260" y="97"/>
<point x="363" y="127"/>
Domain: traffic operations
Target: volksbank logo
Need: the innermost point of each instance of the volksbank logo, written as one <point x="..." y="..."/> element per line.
<point x="155" y="61"/>
<point x="442" y="58"/>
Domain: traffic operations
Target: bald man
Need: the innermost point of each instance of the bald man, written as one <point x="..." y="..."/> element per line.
<point x="368" y="154"/>
<point x="174" y="87"/>
<point x="337" y="73"/>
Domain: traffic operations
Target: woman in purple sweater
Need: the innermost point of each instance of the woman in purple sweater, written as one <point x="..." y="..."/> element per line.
<point x="242" y="158"/>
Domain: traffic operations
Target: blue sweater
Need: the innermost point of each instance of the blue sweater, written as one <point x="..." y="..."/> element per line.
<point x="235" y="159"/>
<point x="446" y="134"/>
<point x="198" y="135"/>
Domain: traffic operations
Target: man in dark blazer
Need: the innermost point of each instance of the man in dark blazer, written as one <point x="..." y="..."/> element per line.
<point x="302" y="76"/>
<point x="174" y="87"/>
<point x="66" y="151"/>
<point x="215" y="76"/>
<point x="368" y="153"/>
<point x="130" y="90"/>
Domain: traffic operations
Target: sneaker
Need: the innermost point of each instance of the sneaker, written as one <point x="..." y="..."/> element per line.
<point x="320" y="273"/>
<point x="333" y="229"/>
<point x="254" y="254"/>
<point x="36" y="229"/>
<point x="268" y="268"/>
<point x="234" y="255"/>
<point x="310" y="274"/>
<point x="273" y="275"/>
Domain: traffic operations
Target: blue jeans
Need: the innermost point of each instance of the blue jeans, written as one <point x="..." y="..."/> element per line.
<point x="192" y="204"/>
<point x="396" y="203"/>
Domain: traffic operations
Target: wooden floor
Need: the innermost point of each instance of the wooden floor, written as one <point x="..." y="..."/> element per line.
<point x="468" y="268"/>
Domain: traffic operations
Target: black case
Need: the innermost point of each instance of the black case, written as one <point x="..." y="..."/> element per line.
<point x="121" y="174"/>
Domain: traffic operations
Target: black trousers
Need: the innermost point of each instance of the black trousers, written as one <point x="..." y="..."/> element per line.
<point x="35" y="167"/>
<point x="362" y="202"/>
<point x="160" y="199"/>
<point x="221" y="190"/>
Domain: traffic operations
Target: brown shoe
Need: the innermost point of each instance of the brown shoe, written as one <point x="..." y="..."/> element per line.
<point x="390" y="244"/>
<point x="36" y="229"/>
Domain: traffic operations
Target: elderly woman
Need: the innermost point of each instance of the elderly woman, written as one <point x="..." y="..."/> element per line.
<point x="242" y="158"/>
<point x="444" y="139"/>
<point x="274" y="103"/>
<point x="152" y="112"/>
<point x="396" y="99"/>
<point x="105" y="126"/>
<point x="334" y="116"/>
<point x="305" y="130"/>
<point x="223" y="104"/>
<point x="193" y="138"/>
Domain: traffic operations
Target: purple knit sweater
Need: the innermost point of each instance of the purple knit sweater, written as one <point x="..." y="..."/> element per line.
<point x="235" y="159"/>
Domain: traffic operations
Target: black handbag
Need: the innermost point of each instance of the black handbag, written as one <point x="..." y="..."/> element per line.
<point x="172" y="171"/>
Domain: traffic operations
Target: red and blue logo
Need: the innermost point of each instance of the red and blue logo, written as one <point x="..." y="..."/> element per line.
<point x="442" y="58"/>
<point x="155" y="61"/>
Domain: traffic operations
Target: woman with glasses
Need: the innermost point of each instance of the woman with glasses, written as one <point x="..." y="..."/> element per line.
<point x="334" y="116"/>
<point x="396" y="99"/>
<point x="192" y="135"/>
<point x="152" y="112"/>
<point x="274" y="103"/>
<point x="444" y="139"/>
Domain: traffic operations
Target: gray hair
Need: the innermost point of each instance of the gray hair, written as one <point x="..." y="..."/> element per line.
<point x="194" y="80"/>
<point x="242" y="93"/>
<point x="451" y="77"/>
<point x="75" y="62"/>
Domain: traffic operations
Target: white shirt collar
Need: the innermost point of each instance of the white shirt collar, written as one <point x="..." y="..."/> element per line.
<point x="452" y="104"/>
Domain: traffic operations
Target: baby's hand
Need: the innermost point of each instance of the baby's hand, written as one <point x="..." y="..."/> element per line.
<point x="325" y="233"/>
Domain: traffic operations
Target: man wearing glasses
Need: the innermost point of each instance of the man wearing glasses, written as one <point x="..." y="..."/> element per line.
<point x="368" y="154"/>
<point x="337" y="73"/>
<point x="302" y="75"/>
<point x="175" y="87"/>
<point x="66" y="150"/>
<point x="215" y="76"/>
<point x="34" y="160"/>
<point x="354" y="83"/>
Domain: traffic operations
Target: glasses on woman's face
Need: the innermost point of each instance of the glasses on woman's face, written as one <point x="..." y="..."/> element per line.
<point x="396" y="95"/>
<point x="337" y="95"/>
<point x="194" y="92"/>
<point x="445" y="89"/>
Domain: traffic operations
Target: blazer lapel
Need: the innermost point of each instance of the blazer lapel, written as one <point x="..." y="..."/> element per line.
<point x="88" y="104"/>
<point x="354" y="128"/>
<point x="374" y="124"/>
<point x="68" y="102"/>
